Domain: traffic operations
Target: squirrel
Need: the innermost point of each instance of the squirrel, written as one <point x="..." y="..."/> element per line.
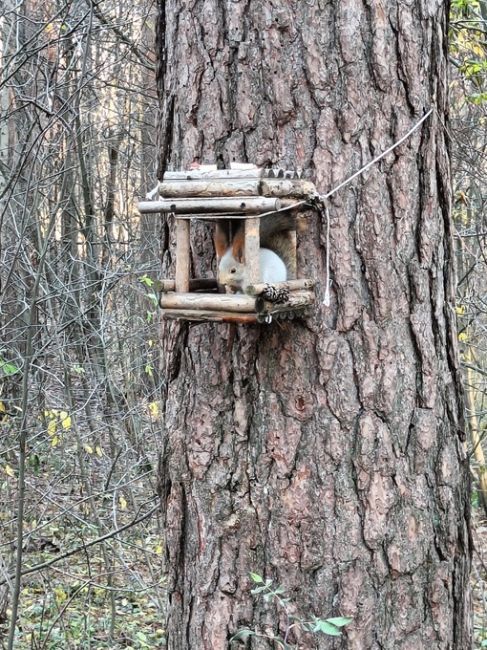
<point x="275" y="256"/>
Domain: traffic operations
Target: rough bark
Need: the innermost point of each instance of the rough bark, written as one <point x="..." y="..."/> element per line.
<point x="325" y="454"/>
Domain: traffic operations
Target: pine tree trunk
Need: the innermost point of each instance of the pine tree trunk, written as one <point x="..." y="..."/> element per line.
<point x="324" y="454"/>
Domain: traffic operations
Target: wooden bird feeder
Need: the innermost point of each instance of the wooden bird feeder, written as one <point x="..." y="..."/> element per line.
<point x="231" y="197"/>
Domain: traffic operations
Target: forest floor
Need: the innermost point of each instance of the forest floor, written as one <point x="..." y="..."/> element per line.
<point x="82" y="604"/>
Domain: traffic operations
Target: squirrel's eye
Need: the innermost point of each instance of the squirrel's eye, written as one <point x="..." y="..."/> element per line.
<point x="234" y="270"/>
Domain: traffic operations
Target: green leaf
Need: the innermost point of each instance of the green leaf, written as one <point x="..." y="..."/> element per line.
<point x="257" y="578"/>
<point x="326" y="628"/>
<point x="339" y="621"/>
<point x="477" y="98"/>
<point x="242" y="635"/>
<point x="7" y="368"/>
<point x="142" y="639"/>
<point x="145" y="279"/>
<point x="34" y="462"/>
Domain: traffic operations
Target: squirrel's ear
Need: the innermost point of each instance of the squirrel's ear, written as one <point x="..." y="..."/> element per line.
<point x="238" y="246"/>
<point x="221" y="240"/>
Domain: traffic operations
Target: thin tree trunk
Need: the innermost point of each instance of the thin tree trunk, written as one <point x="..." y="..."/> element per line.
<point x="324" y="454"/>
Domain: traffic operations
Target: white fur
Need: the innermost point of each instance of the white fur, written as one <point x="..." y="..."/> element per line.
<point x="272" y="269"/>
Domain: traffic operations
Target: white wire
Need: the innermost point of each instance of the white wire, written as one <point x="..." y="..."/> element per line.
<point x="377" y="158"/>
<point x="326" y="299"/>
<point x="360" y="171"/>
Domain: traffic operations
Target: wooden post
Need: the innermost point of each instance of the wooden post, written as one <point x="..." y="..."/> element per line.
<point x="292" y="272"/>
<point x="252" y="250"/>
<point x="182" y="255"/>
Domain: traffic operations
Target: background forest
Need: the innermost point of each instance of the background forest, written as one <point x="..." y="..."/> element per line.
<point x="82" y="364"/>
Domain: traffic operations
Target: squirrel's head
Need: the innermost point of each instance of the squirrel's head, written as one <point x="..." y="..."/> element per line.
<point x="231" y="272"/>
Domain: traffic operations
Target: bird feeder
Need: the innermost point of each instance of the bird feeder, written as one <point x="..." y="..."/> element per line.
<point x="231" y="197"/>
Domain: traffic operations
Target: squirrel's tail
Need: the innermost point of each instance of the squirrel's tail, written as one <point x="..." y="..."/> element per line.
<point x="278" y="233"/>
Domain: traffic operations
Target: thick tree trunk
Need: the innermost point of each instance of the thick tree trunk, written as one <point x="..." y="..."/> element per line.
<point x="325" y="454"/>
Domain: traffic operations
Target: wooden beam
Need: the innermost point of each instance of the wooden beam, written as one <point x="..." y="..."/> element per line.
<point x="290" y="285"/>
<point x="252" y="250"/>
<point x="206" y="188"/>
<point x="292" y="269"/>
<point x="213" y="174"/>
<point x="208" y="301"/>
<point x="287" y="188"/>
<point x="195" y="284"/>
<point x="212" y="205"/>
<point x="211" y="316"/>
<point x="182" y="255"/>
<point x="297" y="300"/>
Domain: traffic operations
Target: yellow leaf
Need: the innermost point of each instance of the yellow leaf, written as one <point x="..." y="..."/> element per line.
<point x="51" y="427"/>
<point x="122" y="502"/>
<point x="158" y="549"/>
<point x="2" y="408"/>
<point x="55" y="441"/>
<point x="88" y="448"/>
<point x="65" y="420"/>
<point x="154" y="409"/>
<point x="60" y="595"/>
<point x="460" y="310"/>
<point x="9" y="471"/>
<point x="99" y="451"/>
<point x="462" y="337"/>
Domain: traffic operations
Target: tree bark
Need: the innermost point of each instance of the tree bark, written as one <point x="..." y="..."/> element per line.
<point x="324" y="454"/>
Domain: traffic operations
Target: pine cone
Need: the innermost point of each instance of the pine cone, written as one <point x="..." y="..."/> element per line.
<point x="272" y="294"/>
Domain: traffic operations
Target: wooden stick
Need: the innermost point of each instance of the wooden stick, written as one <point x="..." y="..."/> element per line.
<point x="208" y="301"/>
<point x="297" y="299"/>
<point x="291" y="285"/>
<point x="244" y="205"/>
<point x="182" y="255"/>
<point x="287" y="188"/>
<point x="204" y="188"/>
<point x="195" y="284"/>
<point x="213" y="316"/>
<point x="214" y="174"/>
<point x="292" y="269"/>
<point x="252" y="250"/>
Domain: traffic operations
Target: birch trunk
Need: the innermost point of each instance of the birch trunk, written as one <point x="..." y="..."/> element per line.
<point x="324" y="454"/>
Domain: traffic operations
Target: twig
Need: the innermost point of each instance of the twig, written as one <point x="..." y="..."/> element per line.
<point x="78" y="549"/>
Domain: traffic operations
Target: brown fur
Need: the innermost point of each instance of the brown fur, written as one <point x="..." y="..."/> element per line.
<point x="274" y="234"/>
